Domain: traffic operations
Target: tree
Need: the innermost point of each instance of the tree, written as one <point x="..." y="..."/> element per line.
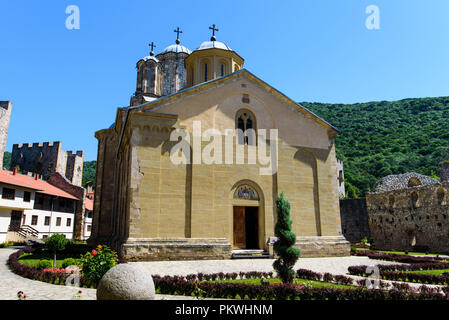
<point x="284" y="246"/>
<point x="56" y="242"/>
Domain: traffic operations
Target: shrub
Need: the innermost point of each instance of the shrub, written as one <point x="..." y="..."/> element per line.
<point x="44" y="264"/>
<point x="97" y="262"/>
<point x="353" y="250"/>
<point x="328" y="277"/>
<point x="284" y="246"/>
<point x="68" y="262"/>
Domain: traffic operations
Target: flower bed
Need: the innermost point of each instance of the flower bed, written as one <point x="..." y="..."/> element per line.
<point x="180" y="286"/>
<point x="402" y="258"/>
<point x="53" y="275"/>
<point x="396" y="273"/>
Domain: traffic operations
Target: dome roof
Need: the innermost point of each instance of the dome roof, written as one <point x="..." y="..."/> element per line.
<point x="150" y="58"/>
<point x="213" y="44"/>
<point x="177" y="48"/>
<point x="403" y="181"/>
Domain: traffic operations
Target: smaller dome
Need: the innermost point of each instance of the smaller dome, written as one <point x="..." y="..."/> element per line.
<point x="177" y="48"/>
<point x="150" y="58"/>
<point x="213" y="44"/>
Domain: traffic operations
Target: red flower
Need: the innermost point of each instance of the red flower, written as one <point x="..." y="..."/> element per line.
<point x="94" y="252"/>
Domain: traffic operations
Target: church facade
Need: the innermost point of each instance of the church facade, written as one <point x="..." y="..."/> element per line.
<point x="173" y="183"/>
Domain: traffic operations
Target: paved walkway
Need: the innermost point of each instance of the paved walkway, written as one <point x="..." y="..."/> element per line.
<point x="334" y="265"/>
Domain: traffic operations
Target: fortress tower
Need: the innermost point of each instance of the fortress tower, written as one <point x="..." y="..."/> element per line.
<point x="47" y="158"/>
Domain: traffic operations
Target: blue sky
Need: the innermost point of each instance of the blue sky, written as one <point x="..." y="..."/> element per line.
<point x="66" y="84"/>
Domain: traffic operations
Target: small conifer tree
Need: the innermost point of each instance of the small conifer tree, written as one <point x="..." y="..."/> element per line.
<point x="284" y="246"/>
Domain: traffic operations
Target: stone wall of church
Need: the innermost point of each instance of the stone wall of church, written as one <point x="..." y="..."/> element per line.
<point x="102" y="220"/>
<point x="5" y="115"/>
<point x="159" y="209"/>
<point x="415" y="218"/>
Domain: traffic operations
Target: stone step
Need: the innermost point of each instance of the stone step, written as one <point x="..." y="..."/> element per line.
<point x="250" y="254"/>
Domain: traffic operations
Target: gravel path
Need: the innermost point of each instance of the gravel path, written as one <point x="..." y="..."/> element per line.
<point x="334" y="265"/>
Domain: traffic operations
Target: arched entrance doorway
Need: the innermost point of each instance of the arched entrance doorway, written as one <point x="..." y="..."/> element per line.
<point x="247" y="217"/>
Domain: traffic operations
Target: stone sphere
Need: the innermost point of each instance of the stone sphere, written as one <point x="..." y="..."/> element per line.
<point x="126" y="281"/>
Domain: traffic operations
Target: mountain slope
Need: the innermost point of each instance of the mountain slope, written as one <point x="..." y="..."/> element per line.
<point x="382" y="138"/>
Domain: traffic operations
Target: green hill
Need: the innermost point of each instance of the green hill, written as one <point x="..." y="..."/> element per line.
<point x="388" y="137"/>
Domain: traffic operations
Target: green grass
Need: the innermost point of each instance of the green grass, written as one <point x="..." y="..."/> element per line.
<point x="315" y="284"/>
<point x="432" y="272"/>
<point x="32" y="260"/>
<point x="410" y="253"/>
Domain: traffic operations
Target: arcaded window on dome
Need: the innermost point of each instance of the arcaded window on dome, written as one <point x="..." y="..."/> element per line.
<point x="246" y="192"/>
<point x="413" y="182"/>
<point x="246" y="126"/>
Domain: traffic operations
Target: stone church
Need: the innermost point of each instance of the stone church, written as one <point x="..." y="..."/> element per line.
<point x="149" y="207"/>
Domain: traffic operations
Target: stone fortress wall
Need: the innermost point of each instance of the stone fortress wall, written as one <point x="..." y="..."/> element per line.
<point x="5" y="115"/>
<point x="47" y="158"/>
<point x="410" y="212"/>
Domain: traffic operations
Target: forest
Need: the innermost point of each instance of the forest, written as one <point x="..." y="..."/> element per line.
<point x="387" y="137"/>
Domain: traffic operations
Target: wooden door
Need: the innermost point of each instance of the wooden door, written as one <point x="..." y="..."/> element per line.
<point x="16" y="219"/>
<point x="239" y="228"/>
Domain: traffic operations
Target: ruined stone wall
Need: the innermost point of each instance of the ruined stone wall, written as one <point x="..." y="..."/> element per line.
<point x="410" y="219"/>
<point x="354" y="219"/>
<point x="5" y="115"/>
<point x="444" y="171"/>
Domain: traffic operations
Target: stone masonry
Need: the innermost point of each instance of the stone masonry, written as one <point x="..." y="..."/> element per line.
<point x="5" y="115"/>
<point x="415" y="217"/>
<point x="354" y="219"/>
<point x="47" y="158"/>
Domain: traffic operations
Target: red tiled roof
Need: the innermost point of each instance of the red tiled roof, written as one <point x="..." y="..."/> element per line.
<point x="89" y="204"/>
<point x="39" y="185"/>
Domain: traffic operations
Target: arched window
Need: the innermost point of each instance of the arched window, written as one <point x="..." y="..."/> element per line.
<point x="413" y="182"/>
<point x="222" y="70"/>
<point x="205" y="72"/>
<point x="246" y="126"/>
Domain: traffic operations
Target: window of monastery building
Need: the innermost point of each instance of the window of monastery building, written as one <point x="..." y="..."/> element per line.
<point x="69" y="222"/>
<point x="34" y="220"/>
<point x="58" y="221"/>
<point x="8" y="194"/>
<point x="27" y="196"/>
<point x="47" y="221"/>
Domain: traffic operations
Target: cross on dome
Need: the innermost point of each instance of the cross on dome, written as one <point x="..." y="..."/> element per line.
<point x="152" y="45"/>
<point x="213" y="38"/>
<point x="178" y="31"/>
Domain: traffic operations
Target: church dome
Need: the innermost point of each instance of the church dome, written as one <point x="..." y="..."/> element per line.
<point x="213" y="45"/>
<point x="176" y="48"/>
<point x="150" y="57"/>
